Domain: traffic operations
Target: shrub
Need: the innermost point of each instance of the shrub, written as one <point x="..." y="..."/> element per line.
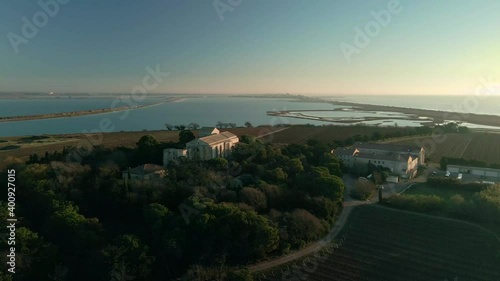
<point x="253" y="197"/>
<point x="362" y="190"/>
<point x="418" y="203"/>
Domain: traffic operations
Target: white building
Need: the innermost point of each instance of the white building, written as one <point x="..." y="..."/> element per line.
<point x="216" y="144"/>
<point x="475" y="171"/>
<point x="382" y="148"/>
<point x="144" y="172"/>
<point x="172" y="154"/>
<point x="400" y="160"/>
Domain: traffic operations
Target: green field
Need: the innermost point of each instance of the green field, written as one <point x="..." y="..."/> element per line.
<point x="391" y="245"/>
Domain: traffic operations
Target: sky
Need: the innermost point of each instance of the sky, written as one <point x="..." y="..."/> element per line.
<point x="251" y="46"/>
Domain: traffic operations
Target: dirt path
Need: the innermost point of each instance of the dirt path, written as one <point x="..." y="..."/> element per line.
<point x="272" y="132"/>
<point x="315" y="247"/>
<point x="348" y="205"/>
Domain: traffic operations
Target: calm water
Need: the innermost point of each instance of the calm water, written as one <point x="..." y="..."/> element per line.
<point x="18" y="107"/>
<point x="462" y="104"/>
<point x="204" y="111"/>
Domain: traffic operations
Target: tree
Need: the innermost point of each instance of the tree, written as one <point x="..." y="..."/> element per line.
<point x="147" y="142"/>
<point x="331" y="187"/>
<point x="323" y="208"/>
<point x="35" y="256"/>
<point x="227" y="231"/>
<point x="302" y="227"/>
<point x="220" y="124"/>
<point x="254" y="198"/>
<point x="180" y="127"/>
<point x="193" y="126"/>
<point x="169" y="126"/>
<point x="376" y="136"/>
<point x="154" y="214"/>
<point x="277" y="174"/>
<point x="248" y="124"/>
<point x="362" y="190"/>
<point x="488" y="203"/>
<point x="149" y="150"/>
<point x="186" y="136"/>
<point x="127" y="256"/>
<point x="232" y="125"/>
<point x="219" y="164"/>
<point x="294" y="166"/>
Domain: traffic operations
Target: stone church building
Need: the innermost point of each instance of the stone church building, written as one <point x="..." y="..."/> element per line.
<point x="211" y="144"/>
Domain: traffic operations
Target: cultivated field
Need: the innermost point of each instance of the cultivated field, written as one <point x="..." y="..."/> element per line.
<point x="478" y="146"/>
<point x="326" y="134"/>
<point x="27" y="146"/>
<point x="385" y="244"/>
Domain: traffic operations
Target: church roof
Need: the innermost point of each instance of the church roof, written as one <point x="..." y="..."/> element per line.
<point x="387" y="147"/>
<point x="221" y="137"/>
<point x="207" y="131"/>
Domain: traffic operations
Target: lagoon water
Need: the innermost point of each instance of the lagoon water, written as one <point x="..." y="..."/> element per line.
<point x="204" y="111"/>
<point x="207" y="111"/>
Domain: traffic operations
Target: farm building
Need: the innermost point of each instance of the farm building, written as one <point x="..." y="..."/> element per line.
<point x="401" y="160"/>
<point x="144" y="172"/>
<point x="217" y="144"/>
<point x="172" y="154"/>
<point x="476" y="171"/>
<point x="382" y="148"/>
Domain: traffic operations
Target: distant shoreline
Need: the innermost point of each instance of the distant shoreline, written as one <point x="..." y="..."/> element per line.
<point x="82" y="112"/>
<point x="437" y="116"/>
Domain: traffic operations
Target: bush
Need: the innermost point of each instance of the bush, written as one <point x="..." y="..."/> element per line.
<point x="487" y="204"/>
<point x="254" y="198"/>
<point x="455" y="184"/>
<point x="302" y="227"/>
<point x="362" y="190"/>
<point x="418" y="203"/>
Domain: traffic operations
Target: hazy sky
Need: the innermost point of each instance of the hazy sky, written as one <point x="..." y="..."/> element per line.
<point x="259" y="46"/>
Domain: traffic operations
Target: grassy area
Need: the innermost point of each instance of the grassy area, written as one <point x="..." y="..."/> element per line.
<point x="391" y="245"/>
<point x="443" y="192"/>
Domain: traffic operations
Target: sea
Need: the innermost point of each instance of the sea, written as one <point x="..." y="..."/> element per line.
<point x="205" y="111"/>
<point x="462" y="104"/>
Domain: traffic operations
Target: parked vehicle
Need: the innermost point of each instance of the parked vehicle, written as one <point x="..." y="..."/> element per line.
<point x="459" y="177"/>
<point x="447" y="174"/>
<point x="488" y="182"/>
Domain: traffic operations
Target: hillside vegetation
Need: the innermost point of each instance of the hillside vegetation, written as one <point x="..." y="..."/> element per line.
<point x="82" y="221"/>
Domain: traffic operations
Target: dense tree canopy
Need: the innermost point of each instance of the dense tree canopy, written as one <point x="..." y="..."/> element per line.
<point x="206" y="218"/>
